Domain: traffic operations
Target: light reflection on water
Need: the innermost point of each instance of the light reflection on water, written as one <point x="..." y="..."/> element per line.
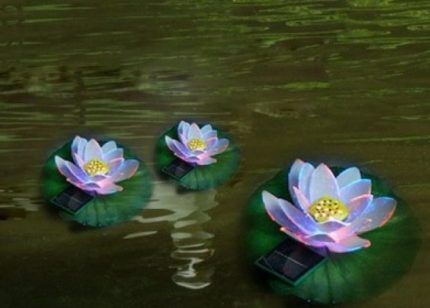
<point x="186" y="214"/>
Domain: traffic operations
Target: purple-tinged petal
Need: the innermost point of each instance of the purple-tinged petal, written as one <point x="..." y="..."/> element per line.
<point x="109" y="146"/>
<point x="323" y="238"/>
<point x="206" y="161"/>
<point x="348" y="245"/>
<point x="177" y="148"/>
<point x="300" y="219"/>
<point x="376" y="214"/>
<point x="302" y="201"/>
<point x="194" y="132"/>
<point x="305" y="179"/>
<point x="78" y="160"/>
<point x="212" y="134"/>
<point x="118" y="153"/>
<point x="93" y="151"/>
<point x="357" y="206"/>
<point x="355" y="189"/>
<point x="332" y="227"/>
<point x="298" y="236"/>
<point x="211" y="142"/>
<point x="219" y="147"/>
<point x="108" y="189"/>
<point x="348" y="176"/>
<point x="183" y="129"/>
<point x="103" y="186"/>
<point x="323" y="184"/>
<point x="114" y="164"/>
<point x="276" y="213"/>
<point x="90" y="187"/>
<point x="293" y="175"/>
<point x="70" y="171"/>
<point x="126" y="171"/>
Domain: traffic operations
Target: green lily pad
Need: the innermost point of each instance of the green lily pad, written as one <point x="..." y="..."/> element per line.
<point x="343" y="277"/>
<point x="105" y="210"/>
<point x="200" y="177"/>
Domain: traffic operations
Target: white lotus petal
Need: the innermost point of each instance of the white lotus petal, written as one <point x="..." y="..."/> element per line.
<point x="219" y="147"/>
<point x="93" y="151"/>
<point x="206" y="129"/>
<point x="305" y="179"/>
<point x="194" y="132"/>
<point x="177" y="148"/>
<point x="183" y="129"/>
<point x="70" y="171"/>
<point x="127" y="170"/>
<point x="109" y="146"/>
<point x="355" y="189"/>
<point x="300" y="219"/>
<point x="376" y="214"/>
<point x="357" y="206"/>
<point x="276" y="213"/>
<point x="348" y="176"/>
<point x="302" y="201"/>
<point x="113" y="155"/>
<point x="293" y="175"/>
<point x="323" y="184"/>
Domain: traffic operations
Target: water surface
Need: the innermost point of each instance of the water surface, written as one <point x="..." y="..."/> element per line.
<point x="339" y="81"/>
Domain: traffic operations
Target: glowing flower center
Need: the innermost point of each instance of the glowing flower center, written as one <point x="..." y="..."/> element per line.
<point x="96" y="167"/>
<point x="196" y="144"/>
<point x="326" y="208"/>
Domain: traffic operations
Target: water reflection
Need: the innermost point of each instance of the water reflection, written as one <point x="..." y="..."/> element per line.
<point x="186" y="214"/>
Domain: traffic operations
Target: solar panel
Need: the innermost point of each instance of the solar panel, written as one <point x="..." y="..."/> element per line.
<point x="290" y="261"/>
<point x="177" y="169"/>
<point x="72" y="199"/>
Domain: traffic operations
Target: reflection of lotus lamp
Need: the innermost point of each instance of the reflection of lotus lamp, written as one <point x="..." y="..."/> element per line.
<point x="186" y="214"/>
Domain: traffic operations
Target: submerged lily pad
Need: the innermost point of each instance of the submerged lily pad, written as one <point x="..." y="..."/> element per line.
<point x="343" y="277"/>
<point x="200" y="177"/>
<point x="102" y="210"/>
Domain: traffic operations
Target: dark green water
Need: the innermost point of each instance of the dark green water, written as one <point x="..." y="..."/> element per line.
<point x="339" y="81"/>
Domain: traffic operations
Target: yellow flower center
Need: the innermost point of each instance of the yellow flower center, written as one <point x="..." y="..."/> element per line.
<point x="326" y="208"/>
<point x="196" y="144"/>
<point x="96" y="167"/>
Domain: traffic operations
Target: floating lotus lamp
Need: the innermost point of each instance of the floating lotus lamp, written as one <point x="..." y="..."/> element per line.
<point x="331" y="248"/>
<point x="197" y="146"/>
<point x="329" y="211"/>
<point x="96" y="169"/>
<point x="82" y="179"/>
<point x="196" y="156"/>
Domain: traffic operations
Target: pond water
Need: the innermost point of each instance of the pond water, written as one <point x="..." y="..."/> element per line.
<point x="335" y="81"/>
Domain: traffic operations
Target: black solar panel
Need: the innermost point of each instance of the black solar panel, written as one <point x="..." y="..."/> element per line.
<point x="177" y="169"/>
<point x="290" y="260"/>
<point x="72" y="199"/>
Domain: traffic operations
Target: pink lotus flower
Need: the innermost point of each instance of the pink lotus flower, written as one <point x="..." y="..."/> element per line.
<point x="96" y="169"/>
<point x="197" y="145"/>
<point x="329" y="211"/>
